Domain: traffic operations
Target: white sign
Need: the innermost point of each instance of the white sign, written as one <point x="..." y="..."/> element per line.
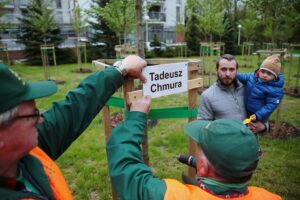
<point x="165" y="79"/>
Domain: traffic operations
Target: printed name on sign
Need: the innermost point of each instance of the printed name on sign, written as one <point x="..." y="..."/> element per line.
<point x="165" y="79"/>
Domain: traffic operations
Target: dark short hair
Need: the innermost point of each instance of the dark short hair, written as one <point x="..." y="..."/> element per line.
<point x="228" y="57"/>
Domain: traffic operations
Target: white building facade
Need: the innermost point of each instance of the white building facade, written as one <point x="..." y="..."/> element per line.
<point x="162" y="17"/>
<point x="63" y="13"/>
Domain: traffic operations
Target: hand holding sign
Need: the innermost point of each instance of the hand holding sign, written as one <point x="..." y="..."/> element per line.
<point x="134" y="65"/>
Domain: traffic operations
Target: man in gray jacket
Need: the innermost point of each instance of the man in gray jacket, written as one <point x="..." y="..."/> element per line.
<point x="225" y="98"/>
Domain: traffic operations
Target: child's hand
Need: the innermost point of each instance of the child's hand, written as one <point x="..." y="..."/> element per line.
<point x="253" y="117"/>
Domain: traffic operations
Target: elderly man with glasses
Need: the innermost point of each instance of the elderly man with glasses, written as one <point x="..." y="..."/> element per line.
<point x="30" y="142"/>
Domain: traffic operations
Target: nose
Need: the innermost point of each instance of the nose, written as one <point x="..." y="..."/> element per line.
<point x="227" y="73"/>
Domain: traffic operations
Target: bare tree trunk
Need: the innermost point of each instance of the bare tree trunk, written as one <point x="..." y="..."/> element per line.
<point x="125" y="37"/>
<point x="140" y="28"/>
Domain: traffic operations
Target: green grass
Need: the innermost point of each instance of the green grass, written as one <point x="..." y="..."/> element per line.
<point x="84" y="164"/>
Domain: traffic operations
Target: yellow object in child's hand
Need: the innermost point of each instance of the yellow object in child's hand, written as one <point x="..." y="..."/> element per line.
<point x="248" y="120"/>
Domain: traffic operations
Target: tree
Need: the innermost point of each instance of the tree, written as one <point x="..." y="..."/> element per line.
<point x="249" y="23"/>
<point x="101" y="32"/>
<point x="229" y="36"/>
<point x="210" y="14"/>
<point x="37" y="27"/>
<point x="79" y="26"/>
<point x="79" y="22"/>
<point x="211" y="18"/>
<point x="273" y="14"/>
<point x="3" y="25"/>
<point x="140" y="28"/>
<point x="119" y="16"/>
<point x="192" y="34"/>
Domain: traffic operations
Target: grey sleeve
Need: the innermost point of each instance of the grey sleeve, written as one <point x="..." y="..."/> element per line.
<point x="205" y="111"/>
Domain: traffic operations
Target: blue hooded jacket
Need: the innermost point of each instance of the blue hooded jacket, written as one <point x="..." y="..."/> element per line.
<point x="261" y="98"/>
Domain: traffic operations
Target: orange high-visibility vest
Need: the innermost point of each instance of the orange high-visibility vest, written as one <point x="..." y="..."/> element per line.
<point x="57" y="181"/>
<point x="178" y="191"/>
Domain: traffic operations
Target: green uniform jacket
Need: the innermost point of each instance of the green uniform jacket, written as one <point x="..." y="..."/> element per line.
<point x="131" y="178"/>
<point x="63" y="123"/>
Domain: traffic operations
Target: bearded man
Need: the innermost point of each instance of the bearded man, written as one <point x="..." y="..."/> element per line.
<point x="225" y="98"/>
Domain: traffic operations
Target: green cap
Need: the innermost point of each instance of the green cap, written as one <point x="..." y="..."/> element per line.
<point x="14" y="90"/>
<point x="229" y="145"/>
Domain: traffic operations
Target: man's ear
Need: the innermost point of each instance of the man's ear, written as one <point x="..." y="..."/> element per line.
<point x="202" y="165"/>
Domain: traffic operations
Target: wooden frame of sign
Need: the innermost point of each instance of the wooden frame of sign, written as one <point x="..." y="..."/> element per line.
<point x="4" y="49"/>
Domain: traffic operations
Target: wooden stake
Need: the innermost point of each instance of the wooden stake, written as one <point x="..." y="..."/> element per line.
<point x="192" y="98"/>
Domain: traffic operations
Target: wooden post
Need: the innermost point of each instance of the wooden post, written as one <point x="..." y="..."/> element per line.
<point x="128" y="87"/>
<point x="45" y="60"/>
<point x="44" y="64"/>
<point x="4" y="50"/>
<point x="277" y="120"/>
<point x="107" y="131"/>
<point x="106" y="122"/>
<point x="54" y="62"/>
<point x="192" y="98"/>
<point x="79" y="64"/>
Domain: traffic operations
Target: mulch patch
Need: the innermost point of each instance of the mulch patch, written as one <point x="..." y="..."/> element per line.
<point x="59" y="81"/>
<point x="285" y="131"/>
<point x="116" y="118"/>
<point x="294" y="92"/>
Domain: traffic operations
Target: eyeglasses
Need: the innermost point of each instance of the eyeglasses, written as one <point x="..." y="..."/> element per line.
<point x="34" y="117"/>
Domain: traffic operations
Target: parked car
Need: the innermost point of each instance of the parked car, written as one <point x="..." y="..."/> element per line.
<point x="150" y="46"/>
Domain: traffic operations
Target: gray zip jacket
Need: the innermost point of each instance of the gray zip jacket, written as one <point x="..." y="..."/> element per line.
<point x="219" y="102"/>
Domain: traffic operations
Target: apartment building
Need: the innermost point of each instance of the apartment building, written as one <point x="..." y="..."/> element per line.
<point x="162" y="17"/>
<point x="63" y="13"/>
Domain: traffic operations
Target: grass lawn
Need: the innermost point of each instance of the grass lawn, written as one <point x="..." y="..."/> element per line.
<point x="84" y="164"/>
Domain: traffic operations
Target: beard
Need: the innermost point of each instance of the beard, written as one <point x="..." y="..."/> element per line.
<point x="226" y="81"/>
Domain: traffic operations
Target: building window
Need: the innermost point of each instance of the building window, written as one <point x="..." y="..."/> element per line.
<point x="178" y="2"/>
<point x="58" y="4"/>
<point x="59" y="17"/>
<point x="24" y="2"/>
<point x="8" y="4"/>
<point x="177" y="14"/>
<point x="8" y="16"/>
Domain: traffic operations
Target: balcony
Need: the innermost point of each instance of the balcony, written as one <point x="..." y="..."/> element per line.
<point x="157" y="16"/>
<point x="24" y="3"/>
<point x="11" y="17"/>
<point x="158" y="2"/>
<point x="9" y="5"/>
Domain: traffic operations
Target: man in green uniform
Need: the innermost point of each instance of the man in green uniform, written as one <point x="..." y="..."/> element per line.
<point x="227" y="156"/>
<point x="29" y="142"/>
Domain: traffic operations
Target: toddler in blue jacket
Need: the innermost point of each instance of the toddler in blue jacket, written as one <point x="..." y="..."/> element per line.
<point x="264" y="89"/>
